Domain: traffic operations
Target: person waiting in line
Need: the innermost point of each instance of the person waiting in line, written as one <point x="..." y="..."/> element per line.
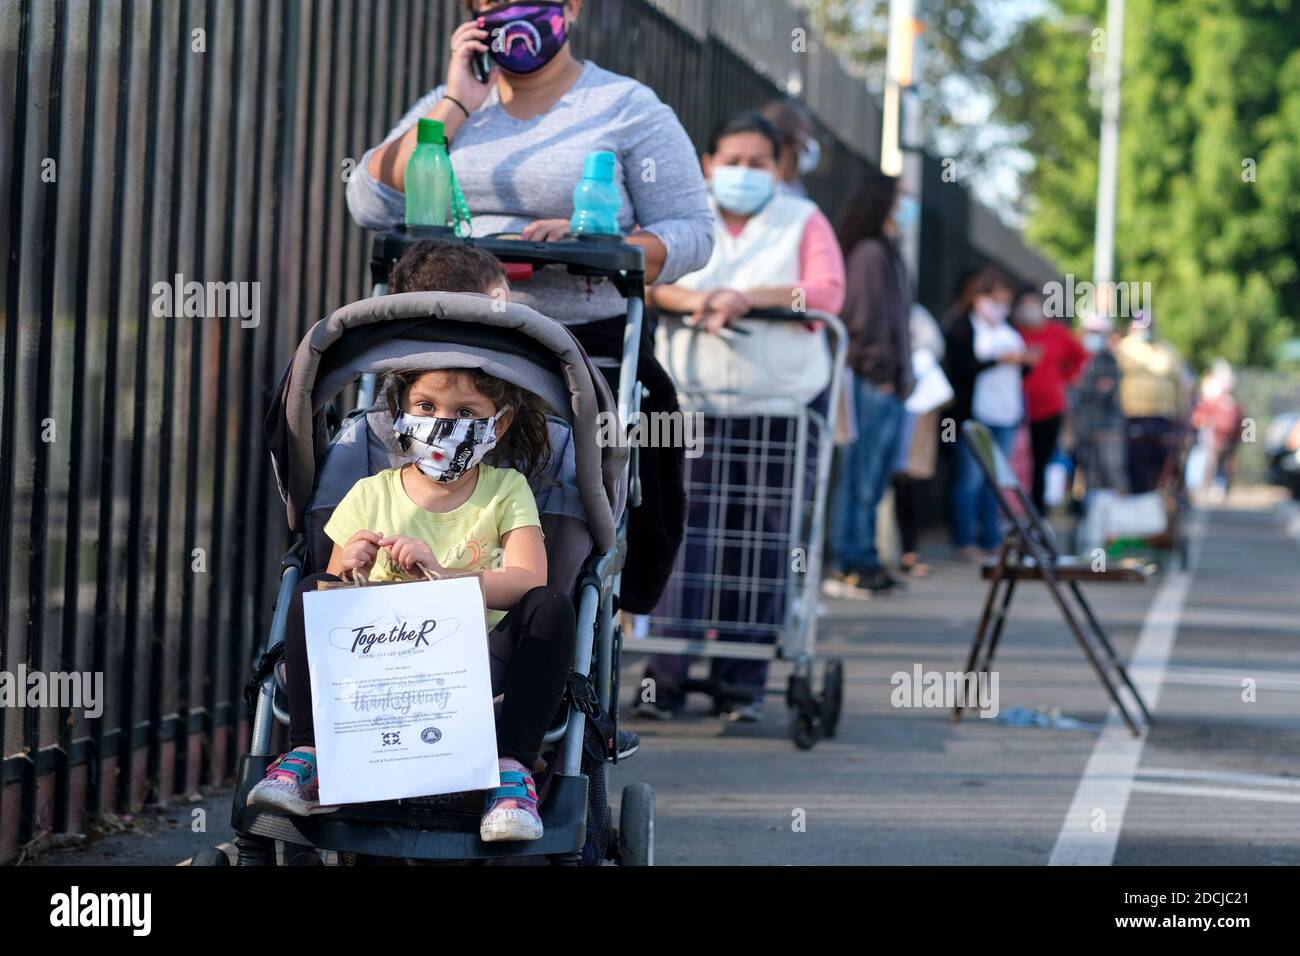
<point x="801" y="153"/>
<point x="770" y="251"/>
<point x="876" y="316"/>
<point x="985" y="360"/>
<point x="1100" y="446"/>
<point x="518" y="141"/>
<point x="1063" y="357"/>
<point x="1155" y="394"/>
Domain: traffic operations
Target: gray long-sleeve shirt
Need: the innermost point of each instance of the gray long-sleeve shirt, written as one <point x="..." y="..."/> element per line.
<point x="515" y="171"/>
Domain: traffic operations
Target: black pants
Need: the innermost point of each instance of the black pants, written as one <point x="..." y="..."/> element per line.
<point x="907" y="506"/>
<point x="1042" y="438"/>
<point x="536" y="638"/>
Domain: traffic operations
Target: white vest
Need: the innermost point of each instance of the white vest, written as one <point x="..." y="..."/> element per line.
<point x="766" y="253"/>
<point x="777" y="365"/>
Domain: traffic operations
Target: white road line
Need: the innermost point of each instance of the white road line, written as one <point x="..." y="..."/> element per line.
<point x="1264" y="680"/>
<point x="1102" y="795"/>
<point x="1223" y="793"/>
<point x="1220" y="776"/>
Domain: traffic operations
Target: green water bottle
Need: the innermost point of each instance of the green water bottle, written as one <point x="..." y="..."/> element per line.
<point x="429" y="177"/>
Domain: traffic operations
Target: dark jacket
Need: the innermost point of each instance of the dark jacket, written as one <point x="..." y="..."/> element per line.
<point x="656" y="528"/>
<point x="877" y="302"/>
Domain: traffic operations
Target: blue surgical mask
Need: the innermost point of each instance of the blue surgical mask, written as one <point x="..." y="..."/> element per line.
<point x="740" y="189"/>
<point x="907" y="213"/>
<point x="810" y="157"/>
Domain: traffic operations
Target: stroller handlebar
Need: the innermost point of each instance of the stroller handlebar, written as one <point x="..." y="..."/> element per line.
<point x="609" y="257"/>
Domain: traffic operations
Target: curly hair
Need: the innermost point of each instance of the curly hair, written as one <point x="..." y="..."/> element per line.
<point x="526" y="445"/>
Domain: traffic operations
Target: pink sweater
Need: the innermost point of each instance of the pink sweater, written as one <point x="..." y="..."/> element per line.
<point x="821" y="265"/>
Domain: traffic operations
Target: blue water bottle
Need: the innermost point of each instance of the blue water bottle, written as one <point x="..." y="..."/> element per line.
<point x="596" y="198"/>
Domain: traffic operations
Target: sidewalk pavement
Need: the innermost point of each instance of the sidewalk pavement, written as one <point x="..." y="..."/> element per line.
<point x="1216" y="781"/>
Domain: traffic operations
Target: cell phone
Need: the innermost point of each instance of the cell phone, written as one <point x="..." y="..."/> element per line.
<point x="481" y="65"/>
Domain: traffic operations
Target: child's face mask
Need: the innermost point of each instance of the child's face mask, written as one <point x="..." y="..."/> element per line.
<point x="445" y="448"/>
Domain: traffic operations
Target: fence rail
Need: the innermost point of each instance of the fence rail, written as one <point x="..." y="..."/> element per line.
<point x="148" y="144"/>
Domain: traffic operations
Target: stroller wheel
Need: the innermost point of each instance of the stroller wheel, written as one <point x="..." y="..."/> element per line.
<point x="832" y="695"/>
<point x="210" y="856"/>
<point x="636" y="826"/>
<point x="306" y="858"/>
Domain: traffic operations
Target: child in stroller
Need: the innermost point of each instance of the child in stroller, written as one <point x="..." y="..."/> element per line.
<point x="447" y="508"/>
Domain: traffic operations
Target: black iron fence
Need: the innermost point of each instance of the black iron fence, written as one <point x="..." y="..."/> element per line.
<point x="152" y="151"/>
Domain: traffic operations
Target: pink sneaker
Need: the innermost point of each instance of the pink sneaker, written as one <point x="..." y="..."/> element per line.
<point x="510" y="810"/>
<point x="290" y="786"/>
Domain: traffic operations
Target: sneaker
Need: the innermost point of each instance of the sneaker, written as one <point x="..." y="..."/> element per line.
<point x="290" y="786"/>
<point x="844" y="586"/>
<point x="510" y="810"/>
<point x="743" y="713"/>
<point x="629" y="742"/>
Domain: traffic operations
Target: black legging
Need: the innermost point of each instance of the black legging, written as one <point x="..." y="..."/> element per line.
<point x="907" y="508"/>
<point x="538" y="635"/>
<point x="1042" y="438"/>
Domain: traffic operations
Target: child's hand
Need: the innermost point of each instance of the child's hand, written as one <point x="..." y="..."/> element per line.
<point x="360" y="552"/>
<point x="410" y="554"/>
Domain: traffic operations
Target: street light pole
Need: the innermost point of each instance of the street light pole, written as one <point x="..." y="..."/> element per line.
<point x="900" y="122"/>
<point x="1104" y="238"/>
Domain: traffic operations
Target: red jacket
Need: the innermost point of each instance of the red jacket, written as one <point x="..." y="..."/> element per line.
<point x="1063" y="359"/>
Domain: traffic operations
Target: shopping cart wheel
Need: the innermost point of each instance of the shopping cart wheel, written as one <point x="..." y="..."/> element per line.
<point x="210" y="856"/>
<point x="832" y="695"/>
<point x="636" y="826"/>
<point x="806" y="727"/>
<point x="805" y="730"/>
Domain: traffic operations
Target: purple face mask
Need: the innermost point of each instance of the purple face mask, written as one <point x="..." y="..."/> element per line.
<point x="524" y="37"/>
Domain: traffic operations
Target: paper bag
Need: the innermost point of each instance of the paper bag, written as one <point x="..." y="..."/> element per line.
<point x="401" y="689"/>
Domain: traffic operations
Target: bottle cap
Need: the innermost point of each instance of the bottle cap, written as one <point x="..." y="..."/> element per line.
<point x="432" y="131"/>
<point x="599" y="165"/>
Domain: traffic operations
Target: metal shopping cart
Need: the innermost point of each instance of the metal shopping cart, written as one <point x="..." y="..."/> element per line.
<point x="747" y="580"/>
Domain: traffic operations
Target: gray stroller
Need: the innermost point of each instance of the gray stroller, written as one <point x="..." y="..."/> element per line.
<point x="582" y="506"/>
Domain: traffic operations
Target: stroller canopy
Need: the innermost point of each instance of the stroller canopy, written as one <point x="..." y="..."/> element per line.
<point x="430" y="330"/>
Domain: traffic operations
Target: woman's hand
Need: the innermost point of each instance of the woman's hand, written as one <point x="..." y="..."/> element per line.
<point x="410" y="554"/>
<point x="719" y="309"/>
<point x="359" y="553"/>
<point x="469" y="40"/>
<point x="545" y="230"/>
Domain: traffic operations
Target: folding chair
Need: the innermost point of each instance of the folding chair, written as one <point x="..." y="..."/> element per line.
<point x="1029" y="553"/>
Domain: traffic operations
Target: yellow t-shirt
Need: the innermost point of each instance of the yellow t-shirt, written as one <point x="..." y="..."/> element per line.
<point x="467" y="538"/>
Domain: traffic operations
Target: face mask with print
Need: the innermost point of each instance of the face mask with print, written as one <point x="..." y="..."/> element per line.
<point x="524" y="37"/>
<point x="445" y="448"/>
<point x="740" y="189"/>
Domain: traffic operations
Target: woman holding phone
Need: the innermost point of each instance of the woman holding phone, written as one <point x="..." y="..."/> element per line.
<point x="521" y="115"/>
<point x="519" y="137"/>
